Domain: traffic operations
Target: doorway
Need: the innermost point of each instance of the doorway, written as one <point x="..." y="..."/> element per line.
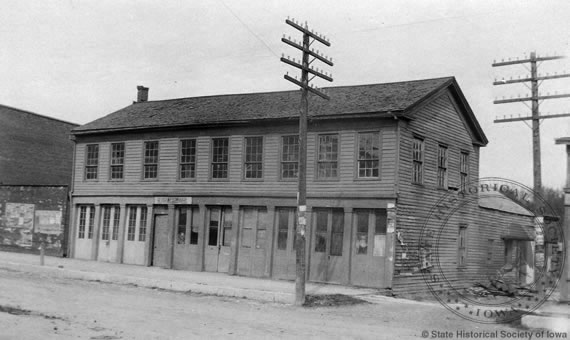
<point x="160" y="249"/>
<point x="329" y="261"/>
<point x="218" y="236"/>
<point x="253" y="241"/>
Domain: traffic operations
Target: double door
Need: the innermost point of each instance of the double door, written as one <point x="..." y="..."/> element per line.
<point x="218" y="237"/>
<point x="329" y="259"/>
<point x="253" y="242"/>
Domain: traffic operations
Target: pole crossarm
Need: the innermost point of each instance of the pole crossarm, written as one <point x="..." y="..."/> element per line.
<point x="310" y="89"/>
<point x="311" y="53"/>
<point x="524" y="80"/>
<point x="523" y="61"/>
<point x="306" y="31"/>
<point x="516" y="119"/>
<point x="308" y="69"/>
<point x="526" y="99"/>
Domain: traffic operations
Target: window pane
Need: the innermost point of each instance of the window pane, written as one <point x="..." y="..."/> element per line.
<point x="188" y="158"/>
<point x="213" y="227"/>
<point x="362" y="231"/>
<point x="283" y="228"/>
<point x="182" y="217"/>
<point x="226" y="241"/>
<point x="380" y="227"/>
<point x="328" y="156"/>
<point x="142" y="226"/>
<point x="290" y="157"/>
<point x="194" y="226"/>
<point x="337" y="232"/>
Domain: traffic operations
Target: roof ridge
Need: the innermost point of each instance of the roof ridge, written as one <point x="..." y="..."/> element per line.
<point x="292" y="91"/>
<point x="37" y="114"/>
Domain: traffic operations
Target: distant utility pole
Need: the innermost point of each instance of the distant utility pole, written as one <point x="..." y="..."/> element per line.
<point x="309" y="37"/>
<point x="536" y="99"/>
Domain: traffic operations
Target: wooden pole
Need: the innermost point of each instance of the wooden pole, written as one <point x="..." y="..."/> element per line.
<point x="300" y="244"/>
<point x="537" y="169"/>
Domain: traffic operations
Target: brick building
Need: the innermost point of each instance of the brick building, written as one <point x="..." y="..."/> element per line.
<point x="35" y="173"/>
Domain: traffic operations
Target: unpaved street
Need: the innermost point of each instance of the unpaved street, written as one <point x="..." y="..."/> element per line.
<point x="40" y="307"/>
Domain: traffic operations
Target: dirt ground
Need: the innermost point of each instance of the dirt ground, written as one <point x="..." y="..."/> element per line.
<point x="33" y="306"/>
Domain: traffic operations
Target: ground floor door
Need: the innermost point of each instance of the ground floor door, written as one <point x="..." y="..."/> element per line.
<point x="284" y="256"/>
<point x="369" y="249"/>
<point x="135" y="238"/>
<point x="186" y="250"/>
<point x="329" y="261"/>
<point x="109" y="232"/>
<point x="84" y="235"/>
<point x="160" y="250"/>
<point x="219" y="231"/>
<point x="253" y="242"/>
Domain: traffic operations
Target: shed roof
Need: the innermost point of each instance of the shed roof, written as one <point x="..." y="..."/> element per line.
<point x="389" y="99"/>
<point x="497" y="201"/>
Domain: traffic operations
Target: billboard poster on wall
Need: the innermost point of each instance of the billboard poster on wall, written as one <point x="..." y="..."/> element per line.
<point x="20" y="220"/>
<point x="48" y="222"/>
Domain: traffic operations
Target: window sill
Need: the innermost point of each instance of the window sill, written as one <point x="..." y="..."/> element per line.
<point x="186" y="180"/>
<point x="332" y="179"/>
<point x="255" y="180"/>
<point x="366" y="179"/>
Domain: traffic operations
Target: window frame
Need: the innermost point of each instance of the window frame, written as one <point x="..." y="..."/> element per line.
<point x="282" y="162"/>
<point x="180" y="163"/>
<point x="442" y="167"/>
<point x="318" y="161"/>
<point x="145" y="164"/>
<point x="211" y="161"/>
<point x="140" y="227"/>
<point x="121" y="165"/>
<point x="245" y="162"/>
<point x="462" y="239"/>
<point x="357" y="159"/>
<point x="421" y="161"/>
<point x="88" y="166"/>
<point x="463" y="169"/>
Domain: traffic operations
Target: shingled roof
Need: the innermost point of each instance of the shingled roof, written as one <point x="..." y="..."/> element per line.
<point x="382" y="99"/>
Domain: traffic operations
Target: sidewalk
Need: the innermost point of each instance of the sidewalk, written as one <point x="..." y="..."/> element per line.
<point x="176" y="280"/>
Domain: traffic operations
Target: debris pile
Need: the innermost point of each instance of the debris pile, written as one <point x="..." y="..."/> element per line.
<point x="497" y="287"/>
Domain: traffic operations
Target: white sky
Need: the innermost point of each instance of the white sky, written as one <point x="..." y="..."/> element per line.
<point x="81" y="60"/>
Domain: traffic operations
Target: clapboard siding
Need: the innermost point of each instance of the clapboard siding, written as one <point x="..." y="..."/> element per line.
<point x="347" y="184"/>
<point x="438" y="122"/>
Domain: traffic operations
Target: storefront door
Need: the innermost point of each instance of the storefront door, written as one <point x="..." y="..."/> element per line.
<point x="217" y="252"/>
<point x="253" y="242"/>
<point x="329" y="261"/>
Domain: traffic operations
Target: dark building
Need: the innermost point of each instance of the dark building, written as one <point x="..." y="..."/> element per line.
<point x="35" y="174"/>
<point x="210" y="183"/>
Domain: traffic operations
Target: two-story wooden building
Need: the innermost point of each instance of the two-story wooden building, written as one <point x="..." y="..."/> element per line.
<point x="210" y="183"/>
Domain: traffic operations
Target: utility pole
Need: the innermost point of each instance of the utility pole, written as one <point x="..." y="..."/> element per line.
<point x="309" y="37"/>
<point x="535" y="98"/>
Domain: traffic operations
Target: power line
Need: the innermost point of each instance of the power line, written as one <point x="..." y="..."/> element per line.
<point x="249" y="29"/>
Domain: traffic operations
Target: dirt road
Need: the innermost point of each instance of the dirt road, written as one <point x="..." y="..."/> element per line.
<point x="39" y="307"/>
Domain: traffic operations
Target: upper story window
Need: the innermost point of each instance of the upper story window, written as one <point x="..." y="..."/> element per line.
<point x="150" y="165"/>
<point x="418" y="160"/>
<point x="253" y="165"/>
<point x="220" y="158"/>
<point x="327" y="161"/>
<point x="368" y="155"/>
<point x="187" y="159"/>
<point x="117" y="160"/>
<point x="289" y="157"/>
<point x="92" y="161"/>
<point x="463" y="169"/>
<point x="442" y="166"/>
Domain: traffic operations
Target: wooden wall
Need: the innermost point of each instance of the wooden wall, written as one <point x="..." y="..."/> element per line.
<point x="438" y="121"/>
<point x="347" y="185"/>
